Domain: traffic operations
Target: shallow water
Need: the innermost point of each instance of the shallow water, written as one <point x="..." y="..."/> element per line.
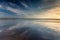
<point x="21" y="29"/>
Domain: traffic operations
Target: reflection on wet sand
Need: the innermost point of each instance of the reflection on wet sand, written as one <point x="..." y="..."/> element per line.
<point x="29" y="29"/>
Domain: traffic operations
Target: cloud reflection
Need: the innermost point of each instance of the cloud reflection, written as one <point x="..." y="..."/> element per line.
<point x="20" y="29"/>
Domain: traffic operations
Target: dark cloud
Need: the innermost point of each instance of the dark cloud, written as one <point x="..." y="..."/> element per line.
<point x="32" y="3"/>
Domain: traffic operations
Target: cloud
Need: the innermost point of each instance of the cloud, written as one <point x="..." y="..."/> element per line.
<point x="33" y="7"/>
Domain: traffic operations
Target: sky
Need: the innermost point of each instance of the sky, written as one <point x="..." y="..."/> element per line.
<point x="32" y="8"/>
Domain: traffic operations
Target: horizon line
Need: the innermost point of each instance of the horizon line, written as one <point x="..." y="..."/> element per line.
<point x="34" y="18"/>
